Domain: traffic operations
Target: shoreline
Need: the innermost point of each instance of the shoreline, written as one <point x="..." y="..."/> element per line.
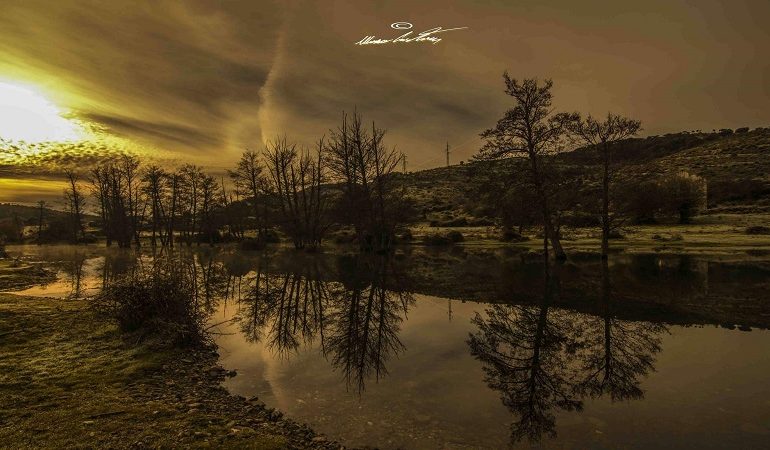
<point x="71" y="379"/>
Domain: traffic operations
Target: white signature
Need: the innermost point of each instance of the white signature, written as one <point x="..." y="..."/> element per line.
<point x="425" y="36"/>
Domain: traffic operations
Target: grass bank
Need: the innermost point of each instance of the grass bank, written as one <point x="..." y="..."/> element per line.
<point x="70" y="379"/>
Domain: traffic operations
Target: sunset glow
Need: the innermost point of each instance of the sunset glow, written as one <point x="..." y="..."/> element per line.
<point x="27" y="115"/>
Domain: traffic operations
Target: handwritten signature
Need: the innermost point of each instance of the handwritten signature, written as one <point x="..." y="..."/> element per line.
<point x="424" y="36"/>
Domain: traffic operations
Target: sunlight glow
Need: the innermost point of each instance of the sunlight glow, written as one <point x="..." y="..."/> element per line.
<point x="26" y="115"/>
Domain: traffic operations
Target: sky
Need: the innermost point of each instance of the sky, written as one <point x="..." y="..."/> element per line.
<point x="201" y="81"/>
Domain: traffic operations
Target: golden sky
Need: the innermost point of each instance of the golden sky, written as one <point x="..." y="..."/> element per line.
<point x="199" y="81"/>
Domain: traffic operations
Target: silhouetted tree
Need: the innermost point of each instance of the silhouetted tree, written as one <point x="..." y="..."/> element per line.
<point x="360" y="162"/>
<point x="603" y="135"/>
<point x="531" y="129"/>
<point x="296" y="178"/>
<point x="75" y="201"/>
<point x="250" y="183"/>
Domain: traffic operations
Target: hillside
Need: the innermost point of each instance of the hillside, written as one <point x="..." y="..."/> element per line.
<point x="736" y="167"/>
<point x="27" y="213"/>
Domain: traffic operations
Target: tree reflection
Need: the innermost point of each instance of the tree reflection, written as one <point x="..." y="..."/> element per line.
<point x="542" y="359"/>
<point x="616" y="354"/>
<point x="524" y="350"/>
<point x="369" y="308"/>
<point x="355" y="321"/>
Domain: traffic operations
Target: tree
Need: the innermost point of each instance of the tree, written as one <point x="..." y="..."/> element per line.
<point x="250" y="182"/>
<point x="296" y="178"/>
<point x="360" y="162"/>
<point x="683" y="194"/>
<point x="603" y="135"/>
<point x="75" y="201"/>
<point x="155" y="182"/>
<point x="531" y="129"/>
<point x="190" y="177"/>
<point x="41" y="205"/>
<point x="210" y="198"/>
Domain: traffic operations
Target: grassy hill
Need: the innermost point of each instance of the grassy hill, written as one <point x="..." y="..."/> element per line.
<point x="736" y="167"/>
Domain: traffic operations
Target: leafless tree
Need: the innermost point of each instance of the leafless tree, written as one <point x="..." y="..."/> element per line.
<point x="41" y="205"/>
<point x="155" y="188"/>
<point x="251" y="184"/>
<point x="531" y="129"/>
<point x="604" y="135"/>
<point x="210" y="198"/>
<point x="296" y="178"/>
<point x="360" y="162"/>
<point x="190" y="177"/>
<point x="75" y="201"/>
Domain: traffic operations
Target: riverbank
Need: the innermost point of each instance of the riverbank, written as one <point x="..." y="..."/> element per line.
<point x="70" y="379"/>
<point x="716" y="233"/>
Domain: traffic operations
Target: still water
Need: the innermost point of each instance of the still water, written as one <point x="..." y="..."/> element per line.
<point x="482" y="348"/>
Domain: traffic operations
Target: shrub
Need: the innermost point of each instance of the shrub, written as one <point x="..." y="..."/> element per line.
<point x="758" y="229"/>
<point x="455" y="236"/>
<point x="742" y="130"/>
<point x="251" y="244"/>
<point x="160" y="302"/>
<point x="512" y="236"/>
<point x="436" y="239"/>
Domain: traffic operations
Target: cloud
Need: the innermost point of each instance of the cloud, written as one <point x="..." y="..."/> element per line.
<point x="199" y="81"/>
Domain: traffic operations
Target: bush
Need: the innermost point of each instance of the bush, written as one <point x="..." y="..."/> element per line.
<point x="616" y="234"/>
<point x="455" y="236"/>
<point x="251" y="244"/>
<point x="160" y="302"/>
<point x="436" y="239"/>
<point x="758" y="229"/>
<point x="512" y="236"/>
<point x="742" y="130"/>
<point x="271" y="237"/>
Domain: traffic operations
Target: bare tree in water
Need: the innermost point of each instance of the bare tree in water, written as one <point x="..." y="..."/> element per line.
<point x="364" y="167"/>
<point x="295" y="178"/>
<point x="604" y="135"/>
<point x="250" y="183"/>
<point x="75" y="201"/>
<point x="531" y="129"/>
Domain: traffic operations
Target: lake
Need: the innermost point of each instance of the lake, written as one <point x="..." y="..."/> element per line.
<point x="480" y="348"/>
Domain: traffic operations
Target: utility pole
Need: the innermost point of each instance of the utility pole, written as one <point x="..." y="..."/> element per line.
<point x="403" y="161"/>
<point x="447" y="154"/>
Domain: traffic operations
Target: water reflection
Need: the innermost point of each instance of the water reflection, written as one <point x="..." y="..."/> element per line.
<point x="344" y="341"/>
<point x="356" y="320"/>
<point x="543" y="359"/>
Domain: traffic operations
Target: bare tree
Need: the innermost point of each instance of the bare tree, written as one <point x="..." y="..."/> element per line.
<point x="360" y="162"/>
<point x="190" y="177"/>
<point x="155" y="188"/>
<point x="603" y="135"/>
<point x="210" y="198"/>
<point x="41" y="205"/>
<point x="531" y="129"/>
<point x="250" y="182"/>
<point x="75" y="201"/>
<point x="296" y="178"/>
<point x="119" y="193"/>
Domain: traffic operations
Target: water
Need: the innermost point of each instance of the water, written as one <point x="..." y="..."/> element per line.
<point x="483" y="348"/>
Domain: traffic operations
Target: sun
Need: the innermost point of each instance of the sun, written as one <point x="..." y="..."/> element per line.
<point x="27" y="115"/>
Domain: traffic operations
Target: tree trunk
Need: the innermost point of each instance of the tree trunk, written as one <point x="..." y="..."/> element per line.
<point x="606" y="205"/>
